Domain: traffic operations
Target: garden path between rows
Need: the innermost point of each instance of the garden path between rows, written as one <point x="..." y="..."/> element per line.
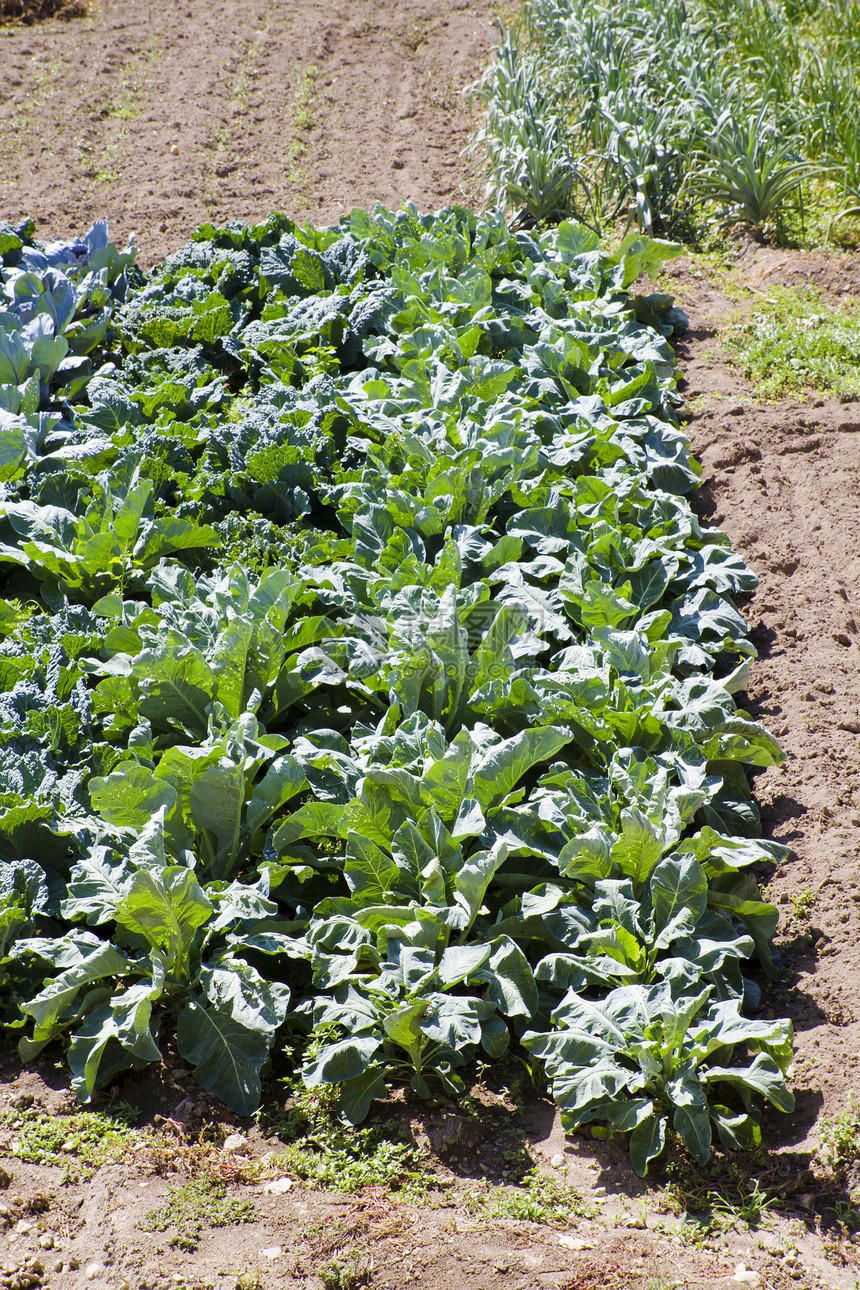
<point x="160" y="115"/>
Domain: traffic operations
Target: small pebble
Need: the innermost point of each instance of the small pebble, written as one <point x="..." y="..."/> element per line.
<point x="272" y="1252"/>
<point x="557" y="1160"/>
<point x="174" y="149"/>
<point x="92" y="1270"/>
<point x="574" y="1243"/>
<point x="278" y="1186"/>
<point x="46" y="1241"/>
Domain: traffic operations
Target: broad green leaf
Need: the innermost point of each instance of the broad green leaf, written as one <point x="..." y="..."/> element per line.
<point x="314" y="819"/>
<point x="615" y="903"/>
<point x="415" y="857"/>
<point x="461" y="962"/>
<point x="113" y="1037"/>
<point x="601" y="605"/>
<point x="647" y="1142"/>
<point x="692" y="1122"/>
<point x="236" y="989"/>
<point x="403" y="1026"/>
<point x="283" y="780"/>
<point x="129" y="797"/>
<point x="176" y="688"/>
<point x="763" y="1076"/>
<point x="170" y="534"/>
<point x="445" y="782"/>
<point x="498" y="771"/>
<point x="738" y="1131"/>
<point x="588" y="856"/>
<point x="368" y="869"/>
<point x="227" y="1056"/>
<point x="13" y="446"/>
<point x="471" y="882"/>
<point x="737" y="894"/>
<point x="230" y="664"/>
<point x="495" y="1036"/>
<point x="356" y="1094"/>
<point x="583" y="1091"/>
<point x="648" y="584"/>
<point x="126" y="521"/>
<point x="55" y="1004"/>
<point x="215" y="801"/>
<point x="575" y="240"/>
<point x="510" y="982"/>
<point x="97" y="886"/>
<point x="343" y="1060"/>
<point x="677" y="885"/>
<point x="166" y="908"/>
<point x="470" y="821"/>
<point x="639" y="847"/>
<point x="454" y="1022"/>
<point x="638" y="254"/>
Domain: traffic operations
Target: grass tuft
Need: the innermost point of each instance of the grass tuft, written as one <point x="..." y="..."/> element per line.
<point x="840" y="1138"/>
<point x="540" y="1199"/>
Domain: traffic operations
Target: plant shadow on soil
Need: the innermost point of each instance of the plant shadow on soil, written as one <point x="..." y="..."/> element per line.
<point x="492" y="1136"/>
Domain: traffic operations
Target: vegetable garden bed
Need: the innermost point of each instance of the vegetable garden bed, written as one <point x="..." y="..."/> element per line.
<point x="368" y="676"/>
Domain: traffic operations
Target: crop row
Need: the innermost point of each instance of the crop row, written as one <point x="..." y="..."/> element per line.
<point x="366" y="677"/>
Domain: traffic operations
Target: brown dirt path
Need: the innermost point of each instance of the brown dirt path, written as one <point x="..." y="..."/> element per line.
<point x="783" y="481"/>
<point x="164" y="113"/>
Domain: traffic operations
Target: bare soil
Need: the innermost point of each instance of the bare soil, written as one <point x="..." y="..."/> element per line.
<point x="160" y="115"/>
<point x="782" y="481"/>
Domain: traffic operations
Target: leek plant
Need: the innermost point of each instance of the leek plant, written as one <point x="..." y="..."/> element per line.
<point x="748" y="170"/>
<point x="719" y="109"/>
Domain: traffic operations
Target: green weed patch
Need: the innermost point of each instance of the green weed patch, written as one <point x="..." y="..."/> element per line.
<point x="193" y="1206"/>
<point x="798" y="343"/>
<point x="79" y="1144"/>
